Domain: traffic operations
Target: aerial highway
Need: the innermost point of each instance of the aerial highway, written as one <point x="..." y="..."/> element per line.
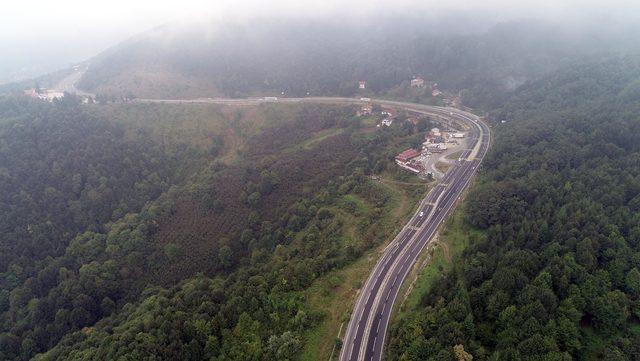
<point x="364" y="339"/>
<point x="367" y="329"/>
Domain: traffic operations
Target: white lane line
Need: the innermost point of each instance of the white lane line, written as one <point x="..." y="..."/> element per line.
<point x="395" y="257"/>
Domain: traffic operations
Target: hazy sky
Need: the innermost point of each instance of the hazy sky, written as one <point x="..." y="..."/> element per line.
<point x="43" y="35"/>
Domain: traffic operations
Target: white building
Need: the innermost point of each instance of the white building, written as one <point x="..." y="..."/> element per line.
<point x="417" y="82"/>
<point x="387" y="122"/>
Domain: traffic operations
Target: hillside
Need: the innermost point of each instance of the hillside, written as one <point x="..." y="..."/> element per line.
<point x="190" y="230"/>
<point x="327" y="57"/>
<point x="551" y="272"/>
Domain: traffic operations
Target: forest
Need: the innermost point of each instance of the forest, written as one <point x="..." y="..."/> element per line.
<point x="556" y="272"/>
<point x="184" y="232"/>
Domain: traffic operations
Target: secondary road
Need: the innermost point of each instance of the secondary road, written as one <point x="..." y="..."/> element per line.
<point x="368" y="325"/>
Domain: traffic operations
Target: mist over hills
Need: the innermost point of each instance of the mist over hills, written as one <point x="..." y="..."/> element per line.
<point x="328" y="57"/>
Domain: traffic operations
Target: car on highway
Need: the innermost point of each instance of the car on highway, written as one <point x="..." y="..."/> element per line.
<point x="421" y="213"/>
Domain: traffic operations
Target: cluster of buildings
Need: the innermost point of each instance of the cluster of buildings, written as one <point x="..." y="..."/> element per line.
<point x="387" y="114"/>
<point x="435" y="142"/>
<point x="412" y="160"/>
<point x="420" y="83"/>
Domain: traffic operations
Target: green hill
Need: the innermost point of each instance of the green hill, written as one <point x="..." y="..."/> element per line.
<point x="554" y="274"/>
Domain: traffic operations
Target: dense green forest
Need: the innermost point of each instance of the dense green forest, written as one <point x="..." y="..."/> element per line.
<point x="147" y="231"/>
<point x="328" y="57"/>
<point x="556" y="272"/>
<point x="64" y="171"/>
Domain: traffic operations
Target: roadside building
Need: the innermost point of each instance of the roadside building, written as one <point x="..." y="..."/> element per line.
<point x="407" y="155"/>
<point x="362" y="84"/>
<point x="417" y="83"/>
<point x="435" y="93"/>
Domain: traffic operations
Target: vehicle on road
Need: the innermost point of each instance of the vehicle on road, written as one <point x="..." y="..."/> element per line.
<point x="421" y="214"/>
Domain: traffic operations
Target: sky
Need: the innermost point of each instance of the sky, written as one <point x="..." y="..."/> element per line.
<point x="39" y="36"/>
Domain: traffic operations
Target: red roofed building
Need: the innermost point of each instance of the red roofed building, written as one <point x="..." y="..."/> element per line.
<point x="407" y="155"/>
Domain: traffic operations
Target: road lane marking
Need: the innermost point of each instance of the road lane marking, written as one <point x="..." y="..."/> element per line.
<point x="417" y="241"/>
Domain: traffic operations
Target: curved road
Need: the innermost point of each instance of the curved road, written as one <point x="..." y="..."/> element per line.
<point x="367" y="329"/>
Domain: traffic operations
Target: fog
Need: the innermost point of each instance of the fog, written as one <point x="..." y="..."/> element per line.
<point x="40" y="36"/>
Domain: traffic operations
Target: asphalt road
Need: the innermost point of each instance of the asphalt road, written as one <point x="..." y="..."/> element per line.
<point x="367" y="329"/>
<point x="368" y="325"/>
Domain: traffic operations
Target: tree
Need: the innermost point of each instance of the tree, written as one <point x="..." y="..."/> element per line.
<point x="173" y="251"/>
<point x="632" y="282"/>
<point x="610" y="311"/>
<point x="225" y="256"/>
<point x="461" y="354"/>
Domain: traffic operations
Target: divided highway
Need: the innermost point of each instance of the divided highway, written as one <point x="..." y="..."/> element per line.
<point x="367" y="329"/>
